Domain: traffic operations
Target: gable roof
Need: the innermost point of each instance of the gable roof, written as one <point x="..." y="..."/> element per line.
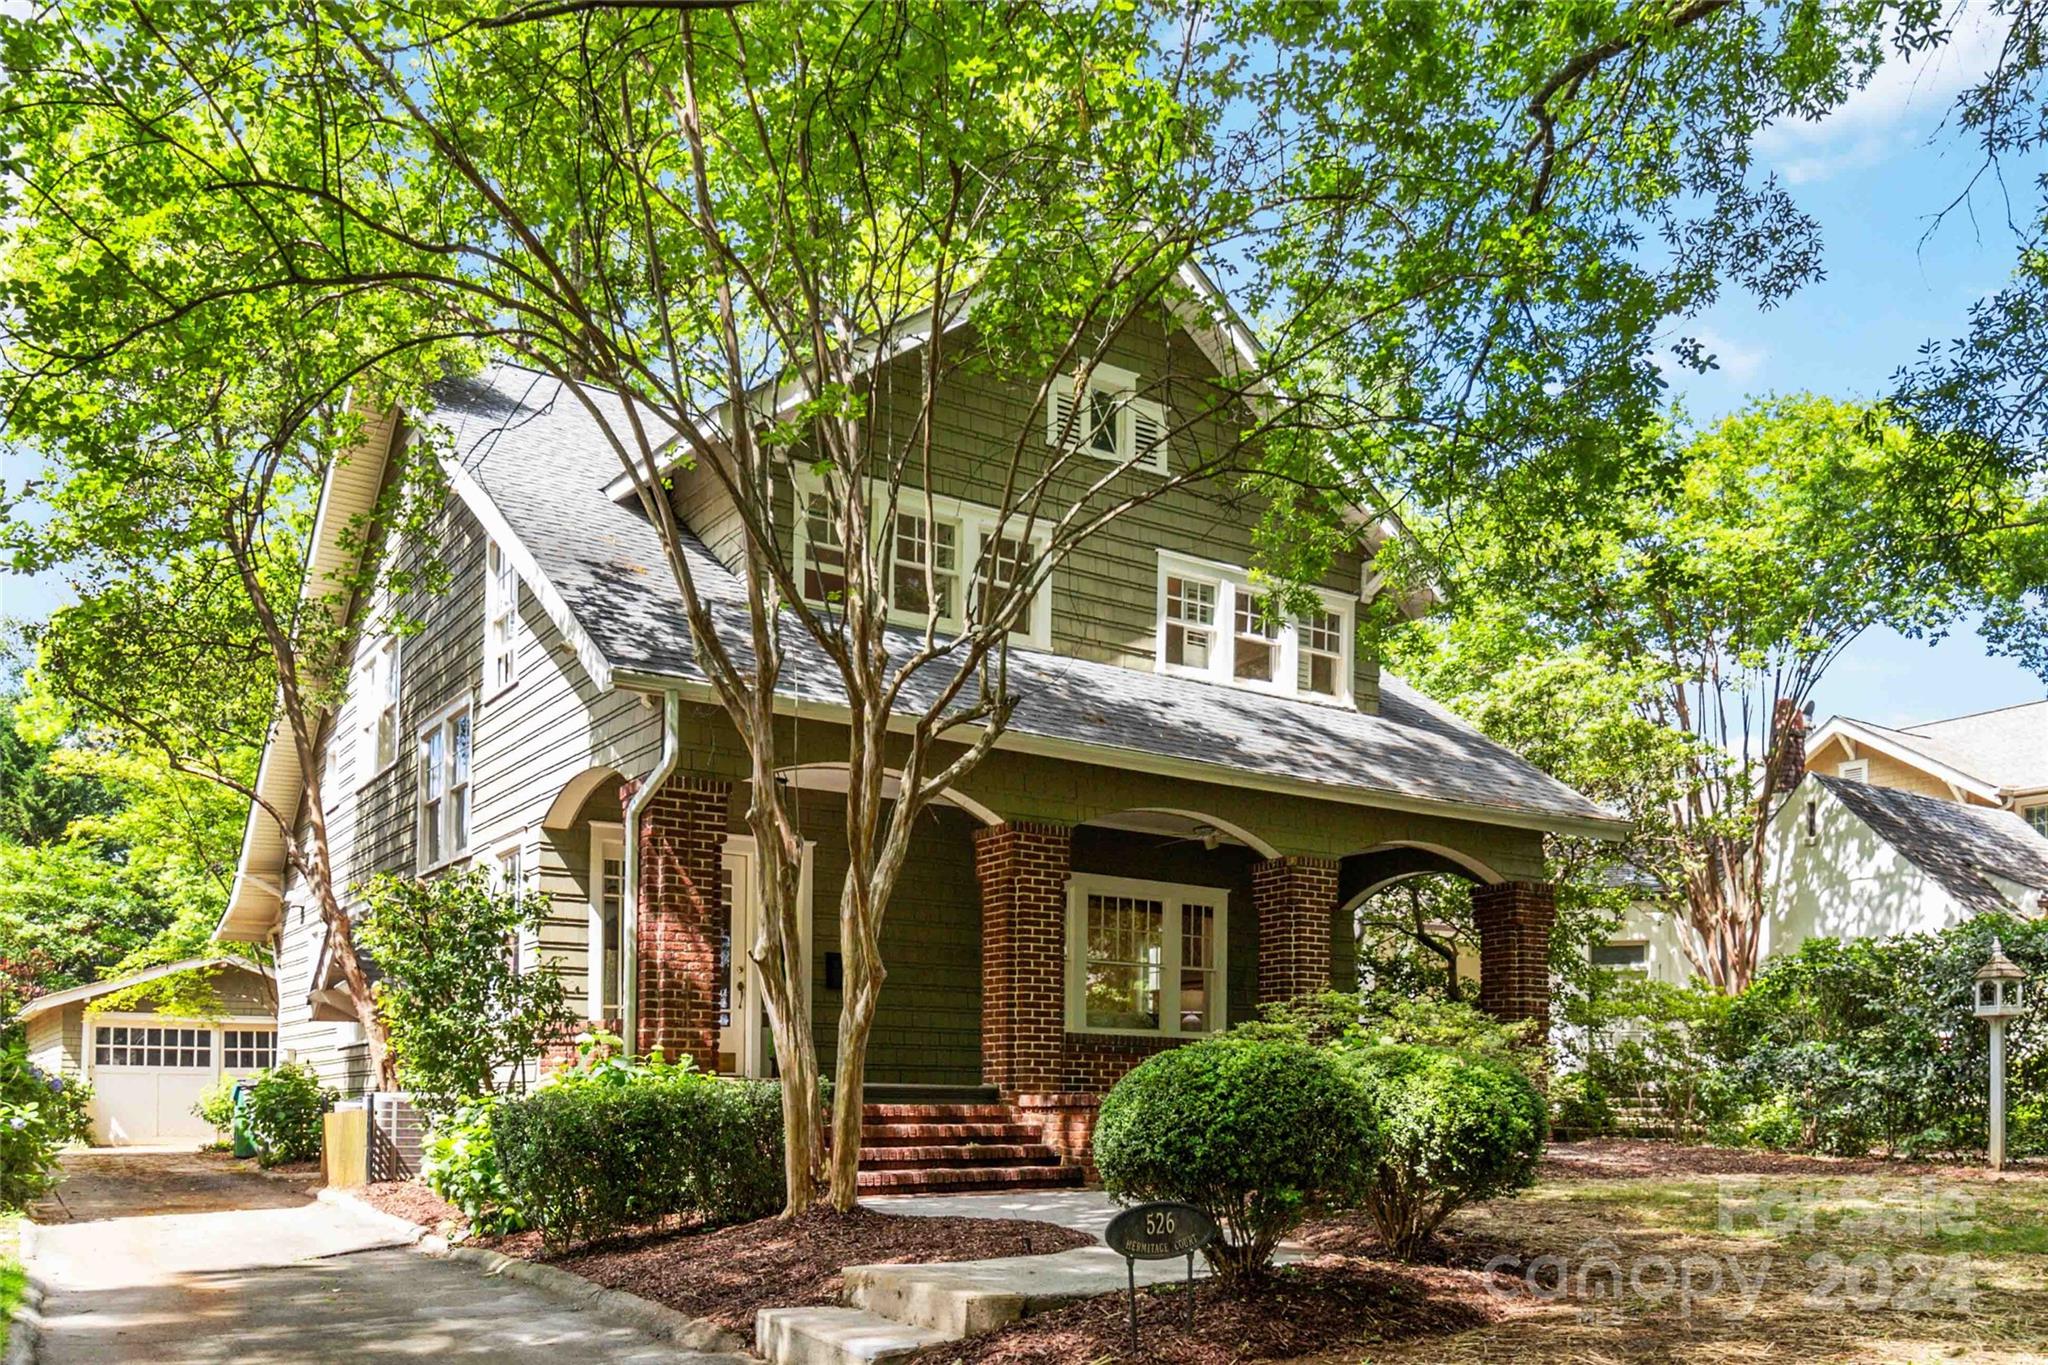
<point x="534" y="466"/>
<point x="43" y="1004"/>
<point x="1991" y="754"/>
<point x="1960" y="846"/>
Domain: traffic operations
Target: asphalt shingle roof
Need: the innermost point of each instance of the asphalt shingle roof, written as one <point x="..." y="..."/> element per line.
<point x="1957" y="845"/>
<point x="544" y="463"/>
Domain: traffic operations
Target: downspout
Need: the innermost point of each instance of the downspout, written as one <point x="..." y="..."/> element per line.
<point x="629" y="911"/>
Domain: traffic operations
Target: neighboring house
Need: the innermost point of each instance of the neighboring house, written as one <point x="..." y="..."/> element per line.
<point x="147" y="1070"/>
<point x="1893" y="831"/>
<point x="1170" y="834"/>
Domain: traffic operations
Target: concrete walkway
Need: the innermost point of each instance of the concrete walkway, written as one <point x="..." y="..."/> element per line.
<point x="309" y="1282"/>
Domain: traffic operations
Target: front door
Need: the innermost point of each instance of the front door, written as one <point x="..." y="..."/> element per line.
<point x="746" y="1046"/>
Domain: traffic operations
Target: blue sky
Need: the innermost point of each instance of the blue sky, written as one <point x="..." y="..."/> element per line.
<point x="1874" y="174"/>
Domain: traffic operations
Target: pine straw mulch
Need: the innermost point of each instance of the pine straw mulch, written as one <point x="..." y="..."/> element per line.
<point x="1343" y="1304"/>
<point x="1639" y="1159"/>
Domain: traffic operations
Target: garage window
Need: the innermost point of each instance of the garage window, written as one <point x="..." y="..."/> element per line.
<point x="248" y="1049"/>
<point x="123" y="1045"/>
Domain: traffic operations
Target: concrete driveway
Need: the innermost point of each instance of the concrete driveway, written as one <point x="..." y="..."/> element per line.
<point x="259" y="1279"/>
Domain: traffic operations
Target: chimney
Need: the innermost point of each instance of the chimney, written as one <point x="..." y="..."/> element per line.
<point x="1788" y="728"/>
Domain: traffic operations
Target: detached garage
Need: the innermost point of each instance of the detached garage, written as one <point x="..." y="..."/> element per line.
<point x="147" y="1070"/>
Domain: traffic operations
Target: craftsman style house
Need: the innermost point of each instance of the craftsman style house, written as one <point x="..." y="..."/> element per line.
<point x="1186" y="802"/>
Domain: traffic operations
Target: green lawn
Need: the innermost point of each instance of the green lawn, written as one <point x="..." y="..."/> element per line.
<point x="11" y="1280"/>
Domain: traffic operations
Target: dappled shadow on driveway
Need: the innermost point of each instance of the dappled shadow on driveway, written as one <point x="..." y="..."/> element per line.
<point x="110" y="1182"/>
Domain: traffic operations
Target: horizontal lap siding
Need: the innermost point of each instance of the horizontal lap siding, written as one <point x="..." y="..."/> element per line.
<point x="928" y="1026"/>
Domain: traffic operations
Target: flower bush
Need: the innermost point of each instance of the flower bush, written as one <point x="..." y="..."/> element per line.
<point x="40" y="1114"/>
<point x="285" y="1105"/>
<point x="1255" y="1131"/>
<point x="460" y="1164"/>
<point x="1455" y="1128"/>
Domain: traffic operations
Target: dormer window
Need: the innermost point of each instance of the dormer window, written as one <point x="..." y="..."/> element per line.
<point x="1112" y="422"/>
<point x="1310" y="657"/>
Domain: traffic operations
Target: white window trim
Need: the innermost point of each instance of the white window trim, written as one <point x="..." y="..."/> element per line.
<point x="974" y="525"/>
<point x="1232" y="583"/>
<point x="603" y="835"/>
<point x="390" y="647"/>
<point x="1071" y="433"/>
<point x="1172" y="895"/>
<point x="1642" y="967"/>
<point x="1854" y="770"/>
<point x="449" y="856"/>
<point x="498" y="566"/>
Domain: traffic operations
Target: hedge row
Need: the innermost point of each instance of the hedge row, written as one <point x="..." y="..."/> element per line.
<point x="582" y="1161"/>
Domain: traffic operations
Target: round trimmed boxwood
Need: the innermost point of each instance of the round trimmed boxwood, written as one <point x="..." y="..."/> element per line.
<point x="1255" y="1132"/>
<point x="1455" y="1127"/>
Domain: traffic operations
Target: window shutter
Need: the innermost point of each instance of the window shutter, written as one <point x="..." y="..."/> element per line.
<point x="1148" y="433"/>
<point x="1060" y="427"/>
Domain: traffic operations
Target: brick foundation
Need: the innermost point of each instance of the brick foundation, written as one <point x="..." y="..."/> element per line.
<point x="1294" y="898"/>
<point x="1514" y="920"/>
<point x="682" y="916"/>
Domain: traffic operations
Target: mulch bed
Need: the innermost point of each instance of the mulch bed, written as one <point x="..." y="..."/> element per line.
<point x="414" y="1202"/>
<point x="1634" y="1159"/>
<point x="1321" y="1304"/>
<point x="727" y="1274"/>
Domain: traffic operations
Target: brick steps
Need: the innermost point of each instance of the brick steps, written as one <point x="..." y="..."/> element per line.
<point x="968" y="1179"/>
<point x="955" y="1145"/>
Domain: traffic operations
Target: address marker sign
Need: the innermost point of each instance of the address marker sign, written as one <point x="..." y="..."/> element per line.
<point x="1158" y="1232"/>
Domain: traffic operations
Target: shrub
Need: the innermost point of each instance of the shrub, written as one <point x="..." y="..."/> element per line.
<point x="39" y="1115"/>
<point x="1454" y="1128"/>
<point x="461" y="1165"/>
<point x="1579" y="1107"/>
<point x="1360" y="1018"/>
<point x="1254" y="1131"/>
<point x="285" y="1105"/>
<point x="217" y="1106"/>
<point x="463" y="1018"/>
<point x="594" y="1153"/>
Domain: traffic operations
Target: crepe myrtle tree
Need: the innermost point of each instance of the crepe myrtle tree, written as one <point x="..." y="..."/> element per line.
<point x="757" y="242"/>
<point x="177" y="506"/>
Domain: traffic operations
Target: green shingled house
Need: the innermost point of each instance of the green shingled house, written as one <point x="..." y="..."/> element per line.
<point x="1187" y="804"/>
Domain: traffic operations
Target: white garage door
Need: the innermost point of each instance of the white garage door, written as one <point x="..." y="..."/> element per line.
<point x="145" y="1081"/>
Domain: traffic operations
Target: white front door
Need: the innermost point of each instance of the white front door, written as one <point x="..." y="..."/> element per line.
<point x="745" y="1044"/>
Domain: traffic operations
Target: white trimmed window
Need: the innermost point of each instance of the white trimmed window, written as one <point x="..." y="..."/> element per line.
<point x="938" y="551"/>
<point x="501" y="621"/>
<point x="1145" y="957"/>
<point x="1110" y="422"/>
<point x="1214" y="623"/>
<point x="248" y="1049"/>
<point x="2037" y="816"/>
<point x="1622" y="957"/>
<point x="444" y="789"/>
<point x="376" y="692"/>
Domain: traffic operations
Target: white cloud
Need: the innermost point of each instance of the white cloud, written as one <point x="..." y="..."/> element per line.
<point x="1902" y="104"/>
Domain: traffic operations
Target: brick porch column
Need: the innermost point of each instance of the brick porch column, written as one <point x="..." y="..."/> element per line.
<point x="682" y="915"/>
<point x="1295" y="899"/>
<point x="1022" y="867"/>
<point x="1514" y="920"/>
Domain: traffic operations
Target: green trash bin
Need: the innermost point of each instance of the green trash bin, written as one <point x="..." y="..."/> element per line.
<point x="245" y="1146"/>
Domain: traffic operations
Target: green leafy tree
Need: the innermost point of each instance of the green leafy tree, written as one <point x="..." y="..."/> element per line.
<point x="1656" y="651"/>
<point x="1437" y="214"/>
<point x="467" y="1005"/>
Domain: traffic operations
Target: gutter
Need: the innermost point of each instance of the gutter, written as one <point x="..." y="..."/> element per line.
<point x="629" y="908"/>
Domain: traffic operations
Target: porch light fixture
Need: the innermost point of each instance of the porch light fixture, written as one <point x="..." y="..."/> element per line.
<point x="1999" y="996"/>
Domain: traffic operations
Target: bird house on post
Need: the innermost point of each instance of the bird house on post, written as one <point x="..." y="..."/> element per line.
<point x="2000" y="995"/>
